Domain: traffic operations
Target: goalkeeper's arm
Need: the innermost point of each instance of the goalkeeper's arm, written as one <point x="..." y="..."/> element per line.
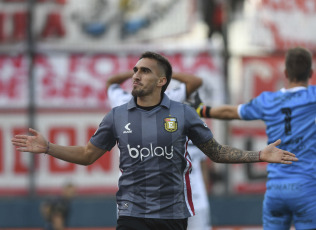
<point x="224" y="112"/>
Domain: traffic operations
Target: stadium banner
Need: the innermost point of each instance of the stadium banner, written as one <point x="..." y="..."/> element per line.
<point x="70" y="102"/>
<point x="282" y="24"/>
<point x="72" y="81"/>
<point x="93" y="24"/>
<point x="258" y="74"/>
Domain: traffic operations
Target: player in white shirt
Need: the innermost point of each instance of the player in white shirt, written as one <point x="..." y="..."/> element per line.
<point x="185" y="85"/>
<point x="201" y="220"/>
<point x="117" y="95"/>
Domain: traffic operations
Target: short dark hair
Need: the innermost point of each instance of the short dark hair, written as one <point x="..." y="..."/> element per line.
<point x="163" y="63"/>
<point x="298" y="63"/>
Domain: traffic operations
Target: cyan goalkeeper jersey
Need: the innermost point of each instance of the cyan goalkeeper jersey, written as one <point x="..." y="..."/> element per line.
<point x="289" y="115"/>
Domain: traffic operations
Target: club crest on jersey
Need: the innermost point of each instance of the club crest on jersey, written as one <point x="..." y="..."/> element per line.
<point x="171" y="124"/>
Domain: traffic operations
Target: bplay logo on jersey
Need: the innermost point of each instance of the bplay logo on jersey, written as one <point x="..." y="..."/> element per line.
<point x="150" y="152"/>
<point x="127" y="129"/>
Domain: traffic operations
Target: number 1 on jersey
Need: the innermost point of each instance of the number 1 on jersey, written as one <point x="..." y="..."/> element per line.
<point x="287" y="120"/>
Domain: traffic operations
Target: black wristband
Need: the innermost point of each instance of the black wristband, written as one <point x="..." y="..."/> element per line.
<point x="208" y="111"/>
<point x="205" y="111"/>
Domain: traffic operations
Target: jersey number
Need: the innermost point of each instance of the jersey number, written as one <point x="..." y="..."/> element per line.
<point x="287" y="120"/>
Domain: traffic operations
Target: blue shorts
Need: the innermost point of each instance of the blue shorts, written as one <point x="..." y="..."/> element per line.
<point x="290" y="200"/>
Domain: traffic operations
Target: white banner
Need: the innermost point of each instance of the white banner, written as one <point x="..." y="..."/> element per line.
<point x="93" y="24"/>
<point x="284" y="23"/>
<point x="51" y="173"/>
<point x="65" y="128"/>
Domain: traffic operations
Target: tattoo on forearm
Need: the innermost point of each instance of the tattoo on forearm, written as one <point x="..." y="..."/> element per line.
<point x="227" y="154"/>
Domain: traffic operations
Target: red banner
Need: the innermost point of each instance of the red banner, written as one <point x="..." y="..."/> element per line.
<point x="78" y="80"/>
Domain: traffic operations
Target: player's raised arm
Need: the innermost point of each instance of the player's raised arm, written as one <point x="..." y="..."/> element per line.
<point x="36" y="143"/>
<point x="224" y="112"/>
<point x="118" y="78"/>
<point x="191" y="81"/>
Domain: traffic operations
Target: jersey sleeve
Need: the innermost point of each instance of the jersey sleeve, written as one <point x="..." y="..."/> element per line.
<point x="198" y="131"/>
<point x="178" y="93"/>
<point x="104" y="137"/>
<point x="117" y="96"/>
<point x="253" y="110"/>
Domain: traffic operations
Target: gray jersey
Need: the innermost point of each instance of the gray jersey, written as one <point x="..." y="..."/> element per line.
<point x="155" y="165"/>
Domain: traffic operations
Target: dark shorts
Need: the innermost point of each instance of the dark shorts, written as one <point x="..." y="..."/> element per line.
<point x="135" y="223"/>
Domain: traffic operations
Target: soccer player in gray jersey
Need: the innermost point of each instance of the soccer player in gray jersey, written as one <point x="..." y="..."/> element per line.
<point x="152" y="133"/>
<point x="177" y="91"/>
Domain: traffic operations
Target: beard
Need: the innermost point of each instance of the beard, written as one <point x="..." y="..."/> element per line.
<point x="138" y="93"/>
<point x="143" y="91"/>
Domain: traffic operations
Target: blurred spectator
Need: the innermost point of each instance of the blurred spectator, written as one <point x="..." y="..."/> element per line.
<point x="200" y="181"/>
<point x="214" y="15"/>
<point x="56" y="211"/>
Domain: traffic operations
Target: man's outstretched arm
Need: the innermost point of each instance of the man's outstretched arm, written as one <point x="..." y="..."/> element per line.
<point x="36" y="143"/>
<point x="227" y="154"/>
<point x="224" y="112"/>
